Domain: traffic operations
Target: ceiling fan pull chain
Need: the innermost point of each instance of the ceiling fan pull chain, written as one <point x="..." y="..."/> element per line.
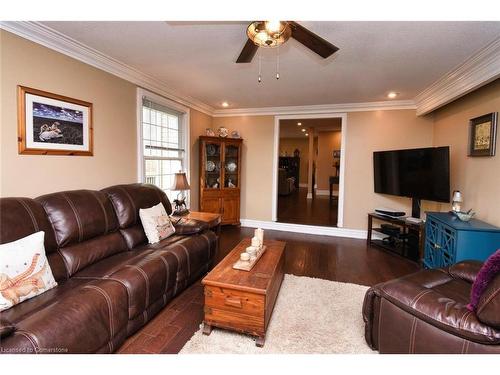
<point x="260" y="66"/>
<point x="278" y="62"/>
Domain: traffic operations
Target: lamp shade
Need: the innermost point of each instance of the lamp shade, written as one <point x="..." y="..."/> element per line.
<point x="180" y="182"/>
<point x="457" y="196"/>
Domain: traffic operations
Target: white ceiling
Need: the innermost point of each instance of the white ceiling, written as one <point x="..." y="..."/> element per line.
<point x="197" y="58"/>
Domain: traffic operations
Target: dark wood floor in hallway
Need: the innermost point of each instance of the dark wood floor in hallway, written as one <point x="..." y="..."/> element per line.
<point x="296" y="208"/>
<point x="330" y="258"/>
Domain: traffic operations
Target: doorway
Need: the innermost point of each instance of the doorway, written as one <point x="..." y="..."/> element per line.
<point x="309" y="166"/>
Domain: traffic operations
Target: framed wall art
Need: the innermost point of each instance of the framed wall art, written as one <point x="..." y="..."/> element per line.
<point x="51" y="124"/>
<point x="483" y="135"/>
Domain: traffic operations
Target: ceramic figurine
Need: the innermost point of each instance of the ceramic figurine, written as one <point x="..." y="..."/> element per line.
<point x="230" y="184"/>
<point x="210" y="132"/>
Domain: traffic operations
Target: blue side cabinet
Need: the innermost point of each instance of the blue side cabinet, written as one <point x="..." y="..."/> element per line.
<point x="449" y="240"/>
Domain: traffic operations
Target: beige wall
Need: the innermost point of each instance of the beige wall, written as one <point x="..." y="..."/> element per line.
<point x="478" y="178"/>
<point x="328" y="141"/>
<point x="289" y="145"/>
<point x="257" y="158"/>
<point x="114" y="101"/>
<point x="376" y="131"/>
<point x="199" y="122"/>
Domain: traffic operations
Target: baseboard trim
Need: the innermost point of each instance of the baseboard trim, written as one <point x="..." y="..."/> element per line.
<point x="306" y="229"/>
<point x="335" y="193"/>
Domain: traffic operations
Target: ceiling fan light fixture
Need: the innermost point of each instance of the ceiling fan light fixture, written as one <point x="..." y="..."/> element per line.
<point x="269" y="33"/>
<point x="274" y="26"/>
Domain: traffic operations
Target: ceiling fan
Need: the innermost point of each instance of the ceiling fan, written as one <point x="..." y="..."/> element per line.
<point x="269" y="34"/>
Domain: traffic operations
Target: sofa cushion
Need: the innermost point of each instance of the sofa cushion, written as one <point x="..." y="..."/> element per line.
<point x="156" y="223"/>
<point x="127" y="200"/>
<point x="83" y="321"/>
<point x="79" y="215"/>
<point x="486" y="275"/>
<point x="20" y="217"/>
<point x="19" y="312"/>
<point x="147" y="276"/>
<point x="194" y="255"/>
<point x="24" y="270"/>
<point x="85" y="226"/>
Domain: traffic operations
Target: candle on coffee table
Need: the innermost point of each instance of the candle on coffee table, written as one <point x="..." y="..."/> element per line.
<point x="259" y="233"/>
<point x="255" y="242"/>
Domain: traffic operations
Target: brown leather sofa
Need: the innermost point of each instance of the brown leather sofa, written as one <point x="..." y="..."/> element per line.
<point x="110" y="280"/>
<point x="426" y="312"/>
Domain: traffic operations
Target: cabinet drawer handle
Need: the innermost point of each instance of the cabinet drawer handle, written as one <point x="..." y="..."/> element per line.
<point x="233" y="301"/>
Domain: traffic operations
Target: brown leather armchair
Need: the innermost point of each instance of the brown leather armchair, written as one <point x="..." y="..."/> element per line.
<point x="426" y="312"/>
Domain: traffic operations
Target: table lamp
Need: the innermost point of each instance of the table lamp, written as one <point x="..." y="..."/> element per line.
<point x="180" y="184"/>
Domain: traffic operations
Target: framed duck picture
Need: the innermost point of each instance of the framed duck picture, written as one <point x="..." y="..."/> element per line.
<point x="51" y="124"/>
<point x="483" y="135"/>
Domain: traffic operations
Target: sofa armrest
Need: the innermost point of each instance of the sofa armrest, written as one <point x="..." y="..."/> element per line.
<point x="186" y="226"/>
<point x="6" y="328"/>
<point x="466" y="270"/>
<point x="438" y="310"/>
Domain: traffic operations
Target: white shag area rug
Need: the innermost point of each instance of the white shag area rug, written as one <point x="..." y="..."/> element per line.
<point x="311" y="316"/>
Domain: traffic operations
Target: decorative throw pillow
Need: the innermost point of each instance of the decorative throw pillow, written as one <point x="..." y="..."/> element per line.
<point x="24" y="270"/>
<point x="156" y="223"/>
<point x="486" y="274"/>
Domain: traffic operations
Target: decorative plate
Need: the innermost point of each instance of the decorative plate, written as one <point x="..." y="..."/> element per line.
<point x="235" y="134"/>
<point x="231" y="166"/>
<point x="223" y="132"/>
<point x="211" y="150"/>
<point x="210" y="166"/>
<point x="210" y="132"/>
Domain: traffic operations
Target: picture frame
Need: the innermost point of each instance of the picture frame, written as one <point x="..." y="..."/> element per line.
<point x="483" y="135"/>
<point x="52" y="124"/>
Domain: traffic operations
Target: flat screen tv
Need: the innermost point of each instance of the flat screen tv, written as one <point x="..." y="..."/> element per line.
<point x="420" y="173"/>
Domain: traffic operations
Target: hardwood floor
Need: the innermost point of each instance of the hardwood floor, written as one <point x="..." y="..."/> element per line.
<point x="330" y="258"/>
<point x="296" y="208"/>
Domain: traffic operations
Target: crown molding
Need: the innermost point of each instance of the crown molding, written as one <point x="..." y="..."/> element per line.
<point x="477" y="71"/>
<point x="48" y="37"/>
<point x="480" y="69"/>
<point x="316" y="109"/>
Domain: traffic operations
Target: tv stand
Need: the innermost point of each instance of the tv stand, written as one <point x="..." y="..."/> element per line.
<point x="409" y="243"/>
<point x="415" y="208"/>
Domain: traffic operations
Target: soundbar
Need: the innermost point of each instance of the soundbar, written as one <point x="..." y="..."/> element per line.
<point x="389" y="212"/>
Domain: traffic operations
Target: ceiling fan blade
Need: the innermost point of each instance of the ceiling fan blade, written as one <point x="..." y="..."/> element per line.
<point x="312" y="41"/>
<point x="248" y="52"/>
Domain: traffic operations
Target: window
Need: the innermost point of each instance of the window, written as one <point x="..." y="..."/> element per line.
<point x="163" y="133"/>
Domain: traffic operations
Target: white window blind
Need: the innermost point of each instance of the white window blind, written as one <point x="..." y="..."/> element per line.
<point x="163" y="145"/>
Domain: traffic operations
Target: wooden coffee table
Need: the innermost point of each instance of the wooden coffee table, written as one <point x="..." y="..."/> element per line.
<point x="243" y="301"/>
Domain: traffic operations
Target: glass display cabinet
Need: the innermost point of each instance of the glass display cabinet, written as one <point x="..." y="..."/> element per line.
<point x="220" y="176"/>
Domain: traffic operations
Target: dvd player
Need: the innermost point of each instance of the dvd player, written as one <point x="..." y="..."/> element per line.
<point x="389" y="212"/>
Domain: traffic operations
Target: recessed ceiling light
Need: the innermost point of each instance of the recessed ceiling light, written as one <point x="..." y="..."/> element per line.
<point x="306" y="134"/>
<point x="299" y="124"/>
<point x="392" y="95"/>
<point x="225" y="104"/>
<point x="303" y="129"/>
